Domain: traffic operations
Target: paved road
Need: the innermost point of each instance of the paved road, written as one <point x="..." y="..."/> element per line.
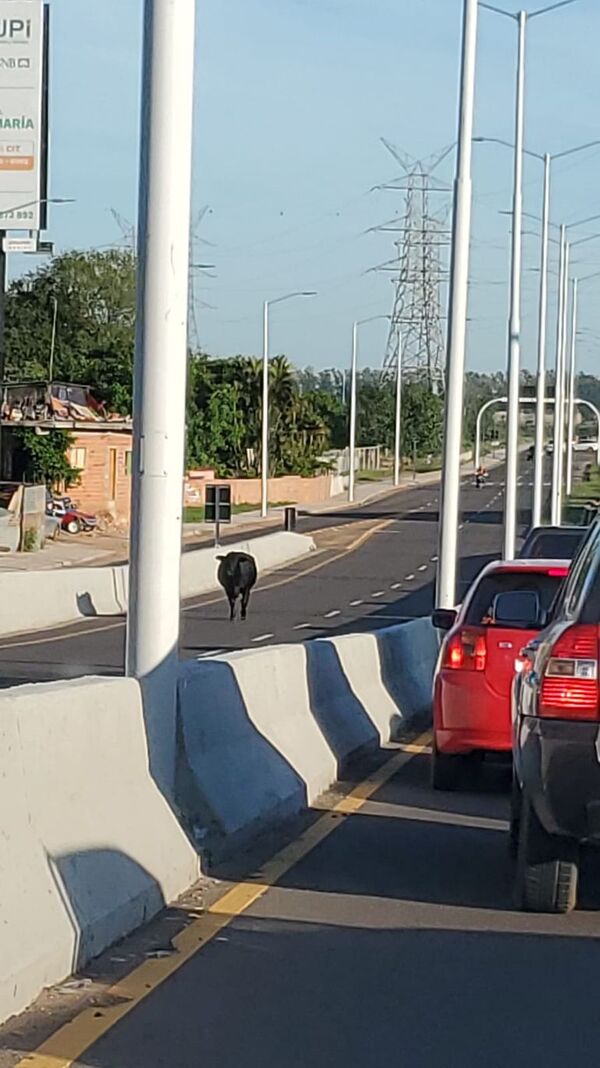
<point x="375" y="567"/>
<point x="392" y="942"/>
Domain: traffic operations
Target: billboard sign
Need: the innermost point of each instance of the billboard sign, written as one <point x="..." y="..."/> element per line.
<point x="23" y="113"/>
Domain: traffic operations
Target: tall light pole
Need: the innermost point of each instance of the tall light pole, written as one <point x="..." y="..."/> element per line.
<point x="160" y="371"/>
<point x="264" y="461"/>
<point x="514" y="329"/>
<point x="514" y="326"/>
<point x="571" y="400"/>
<point x="398" y="421"/>
<point x="540" y="410"/>
<point x="353" y="375"/>
<point x="457" y="316"/>
<point x="559" y="386"/>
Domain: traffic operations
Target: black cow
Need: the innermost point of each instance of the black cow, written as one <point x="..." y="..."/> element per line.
<point x="237" y="575"/>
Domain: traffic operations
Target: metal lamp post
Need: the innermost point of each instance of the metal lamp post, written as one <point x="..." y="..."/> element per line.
<point x="398" y="420"/>
<point x="457" y="317"/>
<point x="264" y="463"/>
<point x="353" y="373"/>
<point x="160" y="371"/>
<point x="571" y="395"/>
<point x="514" y="329"/>
<point x="547" y="159"/>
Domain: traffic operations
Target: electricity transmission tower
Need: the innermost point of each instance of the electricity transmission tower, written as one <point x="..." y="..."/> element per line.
<point x="128" y="241"/>
<point x="417" y="272"/>
<point x="127" y="230"/>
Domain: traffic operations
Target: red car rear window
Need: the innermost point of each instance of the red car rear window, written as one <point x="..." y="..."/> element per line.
<point x="481" y="604"/>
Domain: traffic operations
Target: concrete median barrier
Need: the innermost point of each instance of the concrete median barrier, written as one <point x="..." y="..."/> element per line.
<point x="37" y="600"/>
<point x="264" y="732"/>
<point x="89" y="848"/>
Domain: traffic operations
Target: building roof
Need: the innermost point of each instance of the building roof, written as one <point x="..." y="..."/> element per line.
<point x="56" y="405"/>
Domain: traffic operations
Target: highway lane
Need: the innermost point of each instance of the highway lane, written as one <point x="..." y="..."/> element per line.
<point x="387" y="577"/>
<point x="374" y="568"/>
<point x="392" y="940"/>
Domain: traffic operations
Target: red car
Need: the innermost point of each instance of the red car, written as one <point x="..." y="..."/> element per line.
<point x="505" y="608"/>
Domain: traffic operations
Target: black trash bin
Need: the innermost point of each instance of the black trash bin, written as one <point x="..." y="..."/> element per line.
<point x="290" y="518"/>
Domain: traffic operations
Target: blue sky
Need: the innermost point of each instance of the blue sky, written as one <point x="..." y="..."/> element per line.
<point x="292" y="97"/>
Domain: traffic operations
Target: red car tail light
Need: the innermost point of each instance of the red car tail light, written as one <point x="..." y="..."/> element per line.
<point x="570" y="679"/>
<point x="466" y="651"/>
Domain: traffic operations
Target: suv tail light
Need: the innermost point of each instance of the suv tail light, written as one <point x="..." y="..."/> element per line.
<point x="570" y="678"/>
<point x="466" y="651"/>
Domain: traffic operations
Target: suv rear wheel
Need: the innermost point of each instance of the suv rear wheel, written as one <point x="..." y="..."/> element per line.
<point x="547" y="866"/>
<point x="447" y="770"/>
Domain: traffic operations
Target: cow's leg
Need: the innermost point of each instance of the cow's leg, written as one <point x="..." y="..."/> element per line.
<point x="231" y="608"/>
<point x="245" y="599"/>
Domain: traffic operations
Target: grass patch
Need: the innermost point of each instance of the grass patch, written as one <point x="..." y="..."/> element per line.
<point x="583" y="491"/>
<point x="375" y="476"/>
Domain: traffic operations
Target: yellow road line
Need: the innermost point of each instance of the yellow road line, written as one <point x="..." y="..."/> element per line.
<point x="354" y="545"/>
<point x="65" y="1047"/>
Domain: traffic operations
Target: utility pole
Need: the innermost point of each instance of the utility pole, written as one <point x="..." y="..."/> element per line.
<point x="514" y="327"/>
<point x="264" y="452"/>
<point x="353" y="385"/>
<point x="264" y="460"/>
<point x="558" y="374"/>
<point x="459" y="279"/>
<point x="352" y="429"/>
<point x="538" y="469"/>
<point x="398" y="423"/>
<point x="160" y="371"/>
<point x="571" y="401"/>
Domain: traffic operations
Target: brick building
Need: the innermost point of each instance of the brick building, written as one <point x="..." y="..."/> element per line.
<point x="101" y="443"/>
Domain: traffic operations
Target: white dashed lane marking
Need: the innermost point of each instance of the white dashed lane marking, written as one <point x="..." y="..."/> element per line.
<point x="423" y="567"/>
<point x="409" y="578"/>
<point x="333" y="614"/>
<point x="379" y="593"/>
<point x="263" y="637"/>
<point x="355" y="604"/>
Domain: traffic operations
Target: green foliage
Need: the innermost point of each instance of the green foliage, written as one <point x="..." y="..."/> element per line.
<point x="423" y="421"/>
<point x="95" y="295"/>
<point x="30" y="541"/>
<point x="46" y="456"/>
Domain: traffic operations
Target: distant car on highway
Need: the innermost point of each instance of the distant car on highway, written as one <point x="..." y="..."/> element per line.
<point x="504" y="610"/>
<point x="556" y="726"/>
<point x="552" y="543"/>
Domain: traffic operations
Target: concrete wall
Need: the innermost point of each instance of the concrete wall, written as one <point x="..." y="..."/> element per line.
<point x="89" y="849"/>
<point x="289" y="489"/>
<point x="264" y="732"/>
<point x="35" y="600"/>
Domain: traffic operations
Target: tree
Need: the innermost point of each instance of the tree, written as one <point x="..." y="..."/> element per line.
<point x="95" y="302"/>
<point x="45" y="456"/>
<point x="422" y="420"/>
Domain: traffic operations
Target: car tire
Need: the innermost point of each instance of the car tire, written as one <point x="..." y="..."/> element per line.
<point x="516" y="805"/>
<point x="74" y="526"/>
<point x="447" y="770"/>
<point x="547" y="867"/>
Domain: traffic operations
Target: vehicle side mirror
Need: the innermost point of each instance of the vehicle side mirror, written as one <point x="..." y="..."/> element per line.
<point x="444" y="618"/>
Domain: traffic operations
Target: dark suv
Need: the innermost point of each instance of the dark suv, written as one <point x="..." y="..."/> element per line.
<point x="556" y="742"/>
